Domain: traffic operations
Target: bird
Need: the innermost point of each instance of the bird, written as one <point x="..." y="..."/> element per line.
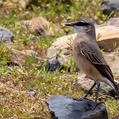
<point x="88" y="56"/>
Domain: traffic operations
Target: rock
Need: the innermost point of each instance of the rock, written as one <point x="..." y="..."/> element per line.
<point x="30" y="91"/>
<point x="24" y="3"/>
<point x="62" y="48"/>
<point x="60" y="44"/>
<point x="113" y="21"/>
<point x="18" y="56"/>
<point x="39" y="25"/>
<point x="112" y="59"/>
<point x="110" y="7"/>
<point x="5" y="35"/>
<point x="85" y="83"/>
<point x="108" y="37"/>
<point x="64" y="107"/>
<point x="52" y="64"/>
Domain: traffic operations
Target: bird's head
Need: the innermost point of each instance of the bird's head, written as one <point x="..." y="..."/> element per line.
<point x="81" y="25"/>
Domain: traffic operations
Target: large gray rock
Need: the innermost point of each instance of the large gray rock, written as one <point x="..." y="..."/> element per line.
<point x="64" y="107"/>
<point x="5" y="35"/>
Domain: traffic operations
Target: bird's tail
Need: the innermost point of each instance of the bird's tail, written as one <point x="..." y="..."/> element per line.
<point x="115" y="87"/>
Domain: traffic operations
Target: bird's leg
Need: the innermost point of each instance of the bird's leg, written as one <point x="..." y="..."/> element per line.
<point x="97" y="91"/>
<point x="90" y="90"/>
<point x="97" y="94"/>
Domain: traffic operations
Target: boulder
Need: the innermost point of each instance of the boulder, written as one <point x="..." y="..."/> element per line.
<point x="64" y="107"/>
<point x="62" y="50"/>
<point x="113" y="21"/>
<point x="39" y="25"/>
<point x="62" y="45"/>
<point x="108" y="37"/>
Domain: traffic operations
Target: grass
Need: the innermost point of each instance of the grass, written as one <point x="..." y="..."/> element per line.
<point x="16" y="101"/>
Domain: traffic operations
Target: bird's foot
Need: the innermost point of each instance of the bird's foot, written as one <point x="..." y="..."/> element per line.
<point x="93" y="107"/>
<point x="96" y="105"/>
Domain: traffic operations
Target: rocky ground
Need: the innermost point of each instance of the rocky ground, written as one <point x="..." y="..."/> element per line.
<point x="36" y="60"/>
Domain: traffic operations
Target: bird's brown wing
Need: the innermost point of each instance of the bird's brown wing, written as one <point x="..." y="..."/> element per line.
<point x="95" y="57"/>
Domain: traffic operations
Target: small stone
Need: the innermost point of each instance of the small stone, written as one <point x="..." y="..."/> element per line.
<point x="109" y="6"/>
<point x="64" y="107"/>
<point x="5" y="35"/>
<point x="30" y="91"/>
<point x="52" y="64"/>
<point x="31" y="53"/>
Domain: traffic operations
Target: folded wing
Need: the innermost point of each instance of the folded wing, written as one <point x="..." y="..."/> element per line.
<point x="95" y="57"/>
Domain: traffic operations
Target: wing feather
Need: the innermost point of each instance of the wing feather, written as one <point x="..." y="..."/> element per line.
<point x="96" y="58"/>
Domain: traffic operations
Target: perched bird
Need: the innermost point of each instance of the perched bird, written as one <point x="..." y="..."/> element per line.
<point x="88" y="56"/>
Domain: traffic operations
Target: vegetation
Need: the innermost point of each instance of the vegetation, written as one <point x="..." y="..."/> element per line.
<point x="24" y="89"/>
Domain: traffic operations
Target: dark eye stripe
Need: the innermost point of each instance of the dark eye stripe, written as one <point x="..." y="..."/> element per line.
<point x="79" y="23"/>
<point x="82" y="23"/>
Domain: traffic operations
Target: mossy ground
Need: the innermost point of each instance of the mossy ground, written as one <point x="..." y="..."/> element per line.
<point x="15" y="81"/>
